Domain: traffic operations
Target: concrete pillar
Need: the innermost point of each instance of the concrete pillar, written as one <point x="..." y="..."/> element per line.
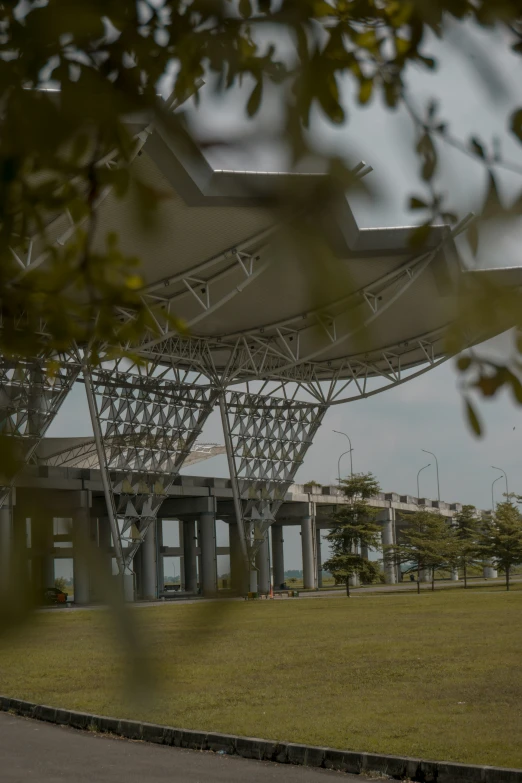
<point x="489" y="571"/>
<point x="454" y="574"/>
<point x="278" y="559"/>
<point x="149" y="571"/>
<point x="263" y="567"/>
<point x="238" y="576"/>
<point x="207" y="543"/>
<point x="190" y="557"/>
<point x="388" y="539"/>
<point x="137" y="568"/>
<point x="318" y="558"/>
<point x="104" y="563"/>
<point x="159" y="561"/>
<point x="425" y="574"/>
<point x="182" y="559"/>
<point x="21" y="566"/>
<point x="252" y="585"/>
<point x="308" y="548"/>
<point x="81" y="526"/>
<point x="6" y="544"/>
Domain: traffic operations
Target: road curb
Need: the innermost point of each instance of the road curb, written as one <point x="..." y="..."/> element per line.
<point x="396" y="767"/>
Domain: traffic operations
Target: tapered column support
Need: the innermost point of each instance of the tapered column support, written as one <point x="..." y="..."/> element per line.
<point x="238" y="572"/>
<point x="278" y="558"/>
<point x="7" y="550"/>
<point x="260" y="473"/>
<point x="129" y="471"/>
<point x="207" y="542"/>
<point x="104" y="472"/>
<point x="318" y="557"/>
<point x="81" y="530"/>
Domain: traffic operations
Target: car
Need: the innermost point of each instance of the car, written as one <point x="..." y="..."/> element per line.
<point x="53" y="595"/>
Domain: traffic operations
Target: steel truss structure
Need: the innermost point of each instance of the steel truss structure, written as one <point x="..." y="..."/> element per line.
<point x="266" y="439"/>
<point x="273" y="383"/>
<point x="144" y="427"/>
<point x="30" y="397"/>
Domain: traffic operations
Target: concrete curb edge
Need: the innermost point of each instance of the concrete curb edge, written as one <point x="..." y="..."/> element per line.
<point x="396" y="767"/>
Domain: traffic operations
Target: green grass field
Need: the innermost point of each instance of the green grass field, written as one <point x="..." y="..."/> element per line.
<point x="437" y="675"/>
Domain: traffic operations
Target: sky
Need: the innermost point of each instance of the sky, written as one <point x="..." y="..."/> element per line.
<point x="389" y="430"/>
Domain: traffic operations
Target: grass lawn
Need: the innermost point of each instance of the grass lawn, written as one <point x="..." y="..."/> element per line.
<point x="437" y="675"/>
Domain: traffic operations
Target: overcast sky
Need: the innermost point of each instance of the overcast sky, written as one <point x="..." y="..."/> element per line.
<point x="389" y="430"/>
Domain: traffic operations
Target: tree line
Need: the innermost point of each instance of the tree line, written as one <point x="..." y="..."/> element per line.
<point x="429" y="543"/>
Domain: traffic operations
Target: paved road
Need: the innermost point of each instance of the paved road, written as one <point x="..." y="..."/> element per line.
<point x="36" y="751"/>
<point x="403" y="587"/>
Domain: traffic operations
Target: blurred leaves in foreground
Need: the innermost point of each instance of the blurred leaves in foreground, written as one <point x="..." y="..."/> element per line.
<point x="71" y="76"/>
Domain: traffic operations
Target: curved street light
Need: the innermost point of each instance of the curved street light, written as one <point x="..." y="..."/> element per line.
<point x="492" y="494"/>
<point x="505" y="476"/>
<point x="339" y="464"/>
<point x="418" y="474"/>
<point x="437" y="466"/>
<point x="350" y="442"/>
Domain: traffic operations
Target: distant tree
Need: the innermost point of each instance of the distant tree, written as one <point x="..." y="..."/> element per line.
<point x="61" y="583"/>
<point x="428" y="543"/>
<point x="502" y="538"/>
<point x="354" y="528"/>
<point x="467" y="527"/>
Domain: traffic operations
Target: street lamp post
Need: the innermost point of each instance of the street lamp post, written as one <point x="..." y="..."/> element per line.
<point x="418" y="474"/>
<point x="505" y="476"/>
<point x="350" y="442"/>
<point x="339" y="464"/>
<point x="492" y="494"/>
<point x="437" y="467"/>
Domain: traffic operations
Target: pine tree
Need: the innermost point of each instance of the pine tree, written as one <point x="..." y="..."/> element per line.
<point x="502" y="538"/>
<point x="354" y="528"/>
<point x="429" y="542"/>
<point x="467" y="526"/>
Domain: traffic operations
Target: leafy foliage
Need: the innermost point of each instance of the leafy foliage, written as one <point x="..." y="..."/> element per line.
<point x="467" y="527"/>
<point x="428" y="543"/>
<point x="502" y="538"/>
<point x="355" y="528"/>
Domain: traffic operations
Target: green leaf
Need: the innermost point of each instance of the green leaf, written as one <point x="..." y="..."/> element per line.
<point x="464" y="363"/>
<point x="365" y="91"/>
<point x="473" y="419"/>
<point x="255" y="99"/>
<point x="417" y="203"/>
<point x="516" y="123"/>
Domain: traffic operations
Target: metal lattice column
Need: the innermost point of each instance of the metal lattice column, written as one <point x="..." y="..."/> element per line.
<point x="30" y="398"/>
<point x="144" y="427"/>
<point x="266" y="440"/>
